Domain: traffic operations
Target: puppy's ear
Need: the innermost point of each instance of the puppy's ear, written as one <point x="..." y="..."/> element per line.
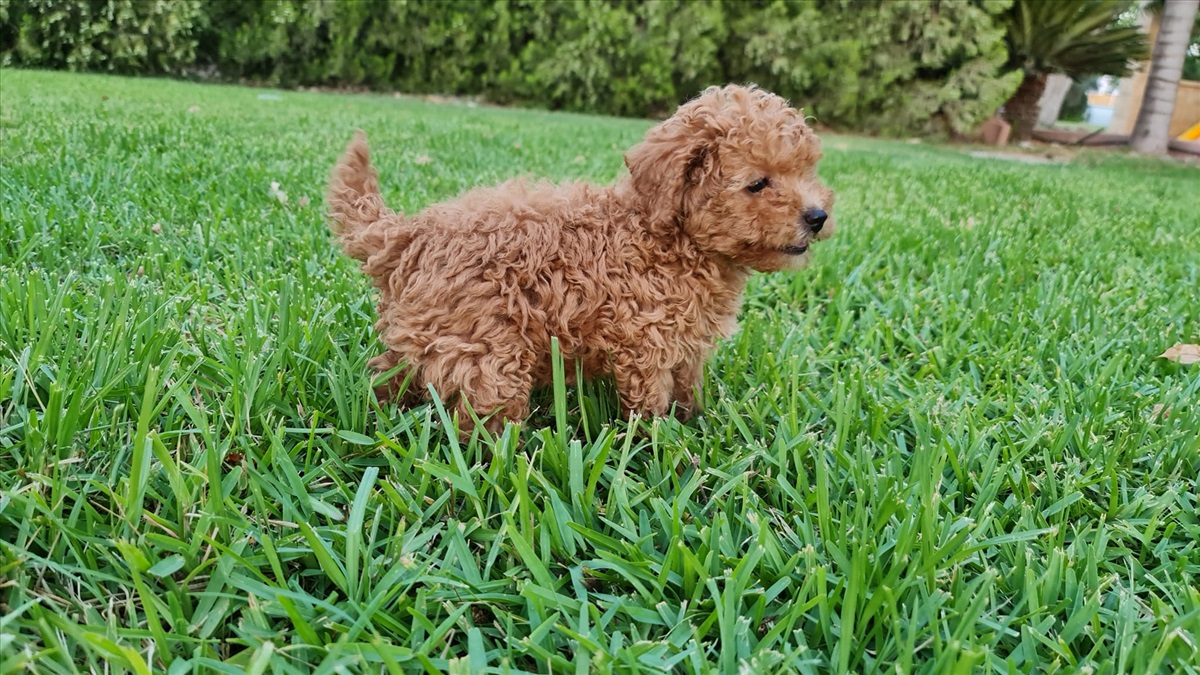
<point x="672" y="169"/>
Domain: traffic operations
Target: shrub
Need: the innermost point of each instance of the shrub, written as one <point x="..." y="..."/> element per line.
<point x="888" y="66"/>
<point x="620" y="58"/>
<point x="448" y="47"/>
<point x="267" y="41"/>
<point x="615" y="57"/>
<point x="121" y="36"/>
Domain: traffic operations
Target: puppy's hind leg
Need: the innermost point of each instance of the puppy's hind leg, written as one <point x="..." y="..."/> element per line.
<point x="688" y="385"/>
<point x="493" y="379"/>
<point x="403" y="386"/>
<point x="644" y="388"/>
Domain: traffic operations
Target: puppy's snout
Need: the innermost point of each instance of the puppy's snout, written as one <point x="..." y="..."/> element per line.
<point x="815" y="219"/>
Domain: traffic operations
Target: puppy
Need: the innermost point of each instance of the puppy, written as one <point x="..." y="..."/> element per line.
<point x="638" y="279"/>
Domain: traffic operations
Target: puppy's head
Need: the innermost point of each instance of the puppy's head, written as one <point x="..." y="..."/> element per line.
<point x="736" y="168"/>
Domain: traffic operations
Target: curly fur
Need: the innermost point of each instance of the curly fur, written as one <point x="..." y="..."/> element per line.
<point x="637" y="279"/>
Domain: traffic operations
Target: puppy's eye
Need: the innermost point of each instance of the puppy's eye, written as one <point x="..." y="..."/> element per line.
<point x="758" y="185"/>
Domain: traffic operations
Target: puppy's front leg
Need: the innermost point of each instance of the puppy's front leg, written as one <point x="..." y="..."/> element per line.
<point x="644" y="389"/>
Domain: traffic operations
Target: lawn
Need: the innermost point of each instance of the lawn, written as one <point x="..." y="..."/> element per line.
<point x="947" y="446"/>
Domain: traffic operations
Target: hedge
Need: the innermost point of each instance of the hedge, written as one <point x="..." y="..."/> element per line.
<point x="886" y="66"/>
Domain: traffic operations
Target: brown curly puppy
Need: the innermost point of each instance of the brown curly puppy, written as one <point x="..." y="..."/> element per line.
<point x="637" y="279"/>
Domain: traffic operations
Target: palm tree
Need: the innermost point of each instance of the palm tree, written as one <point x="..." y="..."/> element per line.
<point x="1073" y="37"/>
<point x="1151" y="134"/>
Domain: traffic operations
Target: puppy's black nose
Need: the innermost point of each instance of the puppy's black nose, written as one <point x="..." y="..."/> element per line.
<point x="815" y="219"/>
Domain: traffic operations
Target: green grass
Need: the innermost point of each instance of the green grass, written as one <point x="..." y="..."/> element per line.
<point x="938" y="450"/>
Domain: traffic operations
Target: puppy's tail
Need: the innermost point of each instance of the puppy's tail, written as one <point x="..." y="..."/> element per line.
<point x="355" y="205"/>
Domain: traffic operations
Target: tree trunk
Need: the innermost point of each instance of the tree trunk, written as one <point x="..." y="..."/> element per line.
<point x="1151" y="134"/>
<point x="1021" y="110"/>
<point x="1051" y="103"/>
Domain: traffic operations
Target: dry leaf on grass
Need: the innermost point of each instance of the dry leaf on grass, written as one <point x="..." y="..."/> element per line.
<point x="422" y="159"/>
<point x="1181" y="353"/>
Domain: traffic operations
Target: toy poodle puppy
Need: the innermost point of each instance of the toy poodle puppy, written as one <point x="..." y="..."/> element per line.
<point x="637" y="279"/>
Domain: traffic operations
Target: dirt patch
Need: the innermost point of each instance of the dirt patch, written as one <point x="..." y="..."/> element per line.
<point x="1019" y="157"/>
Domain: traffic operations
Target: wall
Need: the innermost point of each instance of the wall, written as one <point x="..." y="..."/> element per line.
<point x="1187" y="107"/>
<point x="1132" y="89"/>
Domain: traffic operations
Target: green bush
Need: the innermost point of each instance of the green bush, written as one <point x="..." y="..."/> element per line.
<point x="1075" y="102"/>
<point x="886" y="66"/>
<point x="121" y="36"/>
<point x="1191" y="64"/>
